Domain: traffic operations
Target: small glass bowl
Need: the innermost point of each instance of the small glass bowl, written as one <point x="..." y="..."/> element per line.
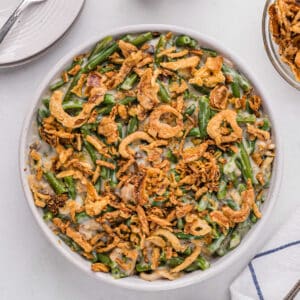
<point x="272" y="50"/>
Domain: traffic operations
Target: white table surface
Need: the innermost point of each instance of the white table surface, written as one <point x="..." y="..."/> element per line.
<point x="30" y="268"/>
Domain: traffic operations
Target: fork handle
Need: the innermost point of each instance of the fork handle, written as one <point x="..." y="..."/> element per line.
<point x="12" y="19"/>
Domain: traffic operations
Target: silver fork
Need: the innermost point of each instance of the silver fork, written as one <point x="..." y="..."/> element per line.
<point x="13" y="18"/>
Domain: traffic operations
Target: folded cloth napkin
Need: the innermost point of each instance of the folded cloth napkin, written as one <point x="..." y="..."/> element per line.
<point x="274" y="273"/>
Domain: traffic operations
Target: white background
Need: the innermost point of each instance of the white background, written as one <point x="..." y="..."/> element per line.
<point x="30" y="268"/>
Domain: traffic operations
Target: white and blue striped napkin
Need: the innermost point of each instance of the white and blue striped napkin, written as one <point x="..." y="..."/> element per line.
<point x="274" y="273"/>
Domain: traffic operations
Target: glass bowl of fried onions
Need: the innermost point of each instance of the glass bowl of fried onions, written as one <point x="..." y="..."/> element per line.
<point x="163" y="212"/>
<point x="282" y="38"/>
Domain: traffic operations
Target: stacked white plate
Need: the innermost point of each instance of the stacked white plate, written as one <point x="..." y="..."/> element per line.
<point x="39" y="27"/>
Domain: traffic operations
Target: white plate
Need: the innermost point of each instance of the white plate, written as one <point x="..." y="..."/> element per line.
<point x="37" y="28"/>
<point x="249" y="243"/>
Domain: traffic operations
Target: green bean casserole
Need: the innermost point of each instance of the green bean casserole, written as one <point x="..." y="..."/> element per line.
<point x="154" y="156"/>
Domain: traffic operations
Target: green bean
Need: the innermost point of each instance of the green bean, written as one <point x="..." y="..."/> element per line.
<point x="120" y="130"/>
<point x="235" y="88"/>
<point x="104" y="173"/>
<point x="81" y="215"/>
<point x="251" y="146"/>
<point x="214" y="246"/>
<point x="46" y="102"/>
<point x="209" y="51"/>
<point x="142" y="39"/>
<point x="117" y="273"/>
<point x="183" y="40"/>
<point x="98" y="185"/>
<point x="163" y="93"/>
<point x="175" y="261"/>
<point x="73" y="104"/>
<point x="109" y="99"/>
<point x="103" y="258"/>
<point x="56" y="184"/>
<point x="113" y="179"/>
<point x="193" y="44"/>
<point x="243" y="83"/>
<point x="203" y="203"/>
<point x="200" y="263"/>
<point x="105" y="110"/>
<point x="132" y="125"/>
<point x="162" y="257"/>
<point x="127" y="100"/>
<point x="68" y="241"/>
<point x="201" y="89"/>
<point x="222" y="189"/>
<point x="232" y="204"/>
<point x="241" y="188"/>
<point x="176" y="175"/>
<point x="91" y="151"/>
<point x="160" y="44"/>
<point x="87" y="129"/>
<point x="246" y="118"/>
<point x="48" y="216"/>
<point x="223" y="249"/>
<point x="235" y="240"/>
<point x="129" y="82"/>
<point x="100" y="46"/>
<point x="157" y="203"/>
<point x="72" y="85"/>
<point x="42" y="113"/>
<point x="142" y="268"/>
<point x="245" y="164"/>
<point x="190" y="110"/>
<point x="185" y="236"/>
<point x="100" y="57"/>
<point x="180" y="224"/>
<point x="94" y="258"/>
<point x="56" y="85"/>
<point x="71" y="186"/>
<point x="107" y="69"/>
<point x="194" y="132"/>
<point x="171" y="157"/>
<point x="253" y="218"/>
<point x="188" y="251"/>
<point x="204" y="115"/>
<point x="267" y="125"/>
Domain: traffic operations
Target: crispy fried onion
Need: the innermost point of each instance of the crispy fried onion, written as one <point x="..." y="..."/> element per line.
<point x="164" y="130"/>
<point x="160" y="273"/>
<point x="172" y="239"/>
<point x="196" y="226"/>
<point x="109" y="128"/>
<point x="189" y="260"/>
<point x="127" y="264"/>
<point x="194" y="153"/>
<point x="210" y="74"/>
<point x="94" y="203"/>
<point x="248" y="197"/>
<point x="78" y="238"/>
<point x="143" y="219"/>
<point x="147" y="90"/>
<point x="218" y="217"/>
<point x="190" y="62"/>
<point x="262" y="135"/>
<point x="40" y="198"/>
<point x="138" y="135"/>
<point x="157" y="241"/>
<point x="215" y="127"/>
<point x="219" y="97"/>
<point x="130" y="61"/>
<point x="64" y="118"/>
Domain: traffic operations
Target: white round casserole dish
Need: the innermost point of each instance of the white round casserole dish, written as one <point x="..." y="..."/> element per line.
<point x="220" y="264"/>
